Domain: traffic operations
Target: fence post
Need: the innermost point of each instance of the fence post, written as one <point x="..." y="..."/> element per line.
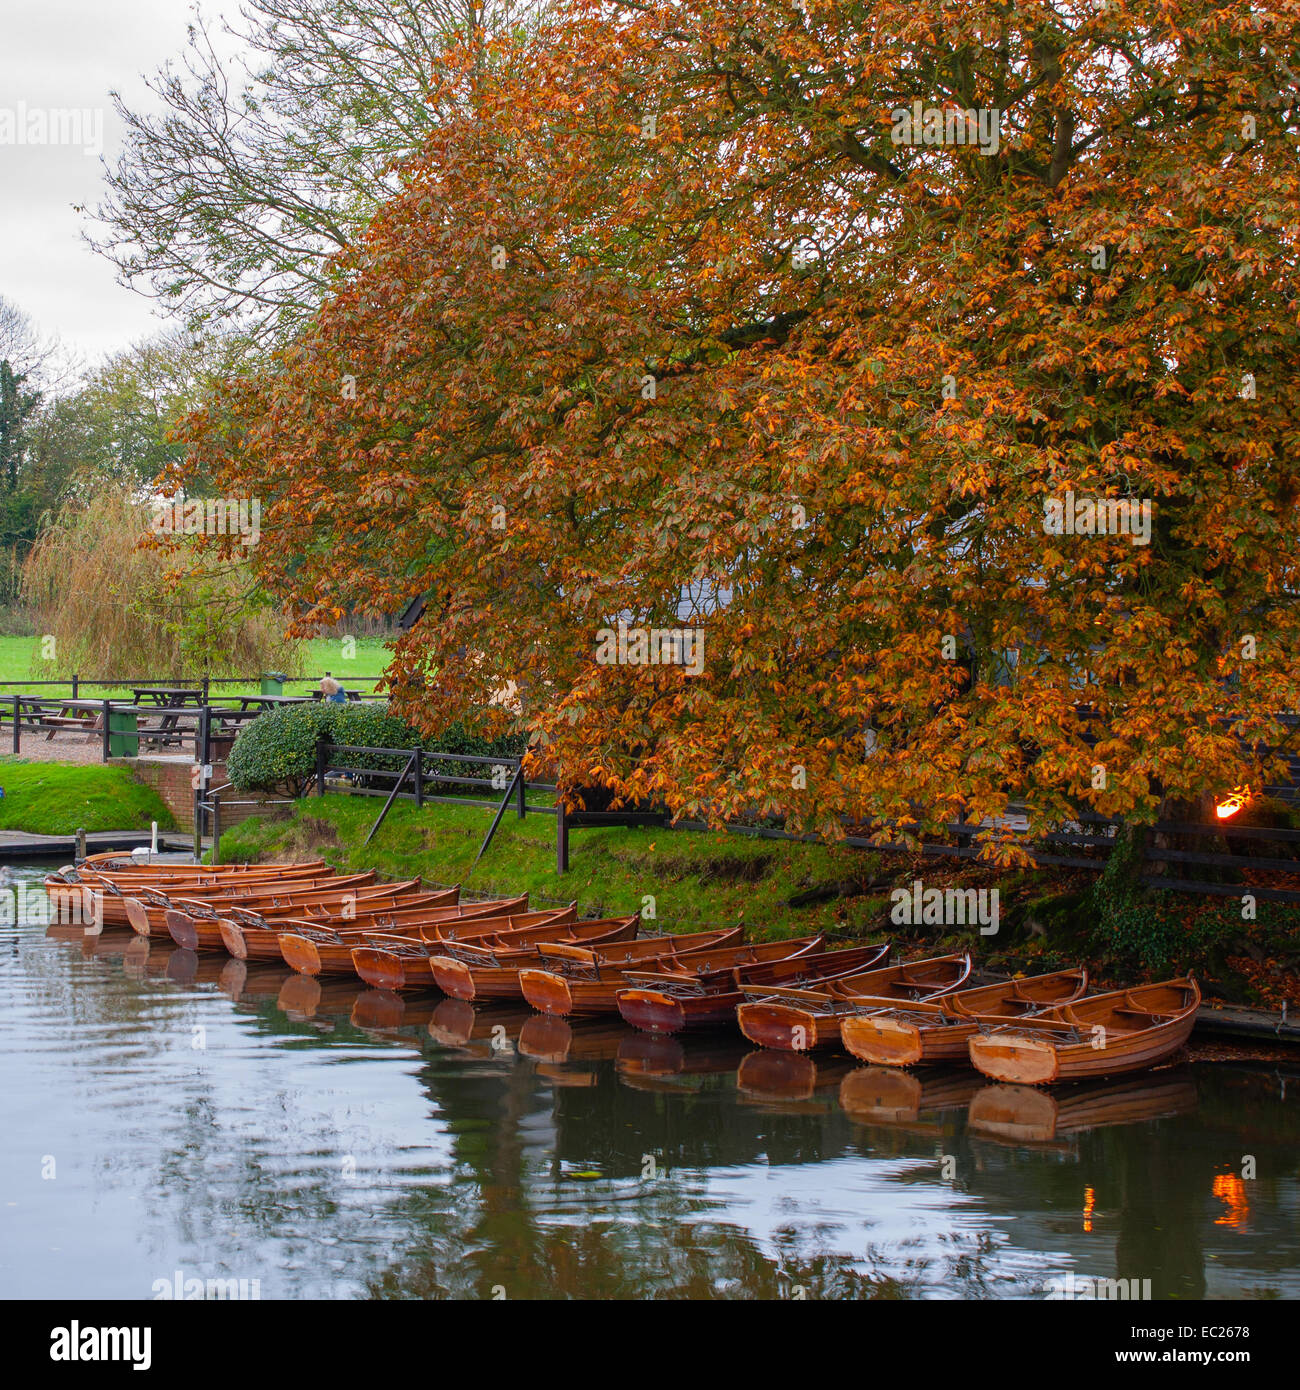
<point x="523" y="787"/>
<point x="81" y="843"/>
<point x="76" y="681"/>
<point x="216" y="827"/>
<point x="561" y="838"/>
<point x="419" y="779"/>
<point x="18" y="719"/>
<point x="205" y="687"/>
<point x="321" y="763"/>
<point x="104" y="719"/>
<point x="198" y="818"/>
<point x="201" y="736"/>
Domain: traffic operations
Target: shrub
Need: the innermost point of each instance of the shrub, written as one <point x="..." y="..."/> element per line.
<point x="277" y="750"/>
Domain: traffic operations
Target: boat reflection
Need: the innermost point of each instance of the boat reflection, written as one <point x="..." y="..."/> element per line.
<point x="662" y="1062"/>
<point x="790" y="1081"/>
<point x="1030" y="1115"/>
<point x="907" y="1100"/>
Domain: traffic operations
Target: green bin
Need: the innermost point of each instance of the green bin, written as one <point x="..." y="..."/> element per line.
<point x="273" y="682"/>
<point x="123" y="741"/>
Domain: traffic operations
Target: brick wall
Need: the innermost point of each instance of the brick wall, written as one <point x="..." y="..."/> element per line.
<point x="170" y="778"/>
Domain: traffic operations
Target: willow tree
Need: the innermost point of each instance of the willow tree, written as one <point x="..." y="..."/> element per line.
<point x="115" y="597"/>
<point x="946" y="357"/>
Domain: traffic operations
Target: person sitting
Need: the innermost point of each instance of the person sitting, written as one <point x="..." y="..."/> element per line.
<point x="332" y="691"/>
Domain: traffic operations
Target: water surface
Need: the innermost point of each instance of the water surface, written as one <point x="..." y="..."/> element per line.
<point x="169" y="1116"/>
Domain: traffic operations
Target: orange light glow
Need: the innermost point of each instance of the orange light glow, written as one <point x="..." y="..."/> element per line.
<point x="1089" y="1206"/>
<point x="1231" y="1191"/>
<point x="1230" y="805"/>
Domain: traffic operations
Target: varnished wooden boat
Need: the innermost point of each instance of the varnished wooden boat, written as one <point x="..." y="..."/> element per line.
<point x="682" y="1001"/>
<point x="799" y="1020"/>
<point x="116" y="860"/>
<point x="316" y="949"/>
<point x="488" y="962"/>
<point x="195" y="923"/>
<point x="1106" y="1035"/>
<point x="588" y="982"/>
<point x="111" y="895"/>
<point x="1027" y="1115"/>
<point x="938" y="1031"/>
<point x="251" y="936"/>
<point x="147" y="908"/>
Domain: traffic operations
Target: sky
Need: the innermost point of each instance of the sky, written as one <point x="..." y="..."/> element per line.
<point x="68" y="55"/>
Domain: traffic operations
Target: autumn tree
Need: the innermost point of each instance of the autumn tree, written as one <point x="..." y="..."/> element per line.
<point x="831" y="331"/>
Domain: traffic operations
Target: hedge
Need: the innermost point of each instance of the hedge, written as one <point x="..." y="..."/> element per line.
<point x="277" y="750"/>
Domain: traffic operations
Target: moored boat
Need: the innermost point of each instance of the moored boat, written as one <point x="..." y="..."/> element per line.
<point x="251" y="936"/>
<point x="938" y="1031"/>
<point x="147" y="907"/>
<point x="1105" y="1035"/>
<point x="799" y="1020"/>
<point x="195" y="923"/>
<point x="576" y="981"/>
<point x="315" y="948"/>
<point x="489" y="961"/>
<point x="682" y="1001"/>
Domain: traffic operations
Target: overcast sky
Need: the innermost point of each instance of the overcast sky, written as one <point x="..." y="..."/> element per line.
<point x="70" y="54"/>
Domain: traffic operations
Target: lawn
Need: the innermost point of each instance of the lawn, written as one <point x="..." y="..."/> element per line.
<point x="20" y="661"/>
<point x="60" y="799"/>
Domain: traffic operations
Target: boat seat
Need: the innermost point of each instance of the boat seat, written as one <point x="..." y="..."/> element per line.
<point x="1144" y="1016"/>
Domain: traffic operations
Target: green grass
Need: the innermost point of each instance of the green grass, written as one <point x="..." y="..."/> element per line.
<point x="62" y="798"/>
<point x="693" y="879"/>
<point x="20" y="661"/>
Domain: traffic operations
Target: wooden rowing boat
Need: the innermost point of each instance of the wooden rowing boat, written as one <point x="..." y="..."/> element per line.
<point x="683" y="1001"/>
<point x="109" y="896"/>
<point x="588" y="982"/>
<point x="147" y="907"/>
<point x="479" y="965"/>
<point x="315" y="949"/>
<point x="1106" y="1035"/>
<point x="130" y="871"/>
<point x="1027" y="1115"/>
<point x="798" y="1020"/>
<point x="196" y="924"/>
<point x="938" y="1031"/>
<point x="251" y="936"/>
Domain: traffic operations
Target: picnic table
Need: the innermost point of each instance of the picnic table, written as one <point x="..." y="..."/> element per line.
<point x="73" y="714"/>
<point x="173" y="699"/>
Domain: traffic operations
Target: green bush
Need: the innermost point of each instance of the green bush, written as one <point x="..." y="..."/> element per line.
<point x="277" y="750"/>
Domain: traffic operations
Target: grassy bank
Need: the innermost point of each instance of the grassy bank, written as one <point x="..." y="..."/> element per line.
<point x="777" y="889"/>
<point x="62" y="798"/>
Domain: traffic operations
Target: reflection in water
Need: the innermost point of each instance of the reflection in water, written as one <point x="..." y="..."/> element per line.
<point x="237" y="1120"/>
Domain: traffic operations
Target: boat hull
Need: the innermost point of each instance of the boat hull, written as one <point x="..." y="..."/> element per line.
<point x="788" y="1029"/>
